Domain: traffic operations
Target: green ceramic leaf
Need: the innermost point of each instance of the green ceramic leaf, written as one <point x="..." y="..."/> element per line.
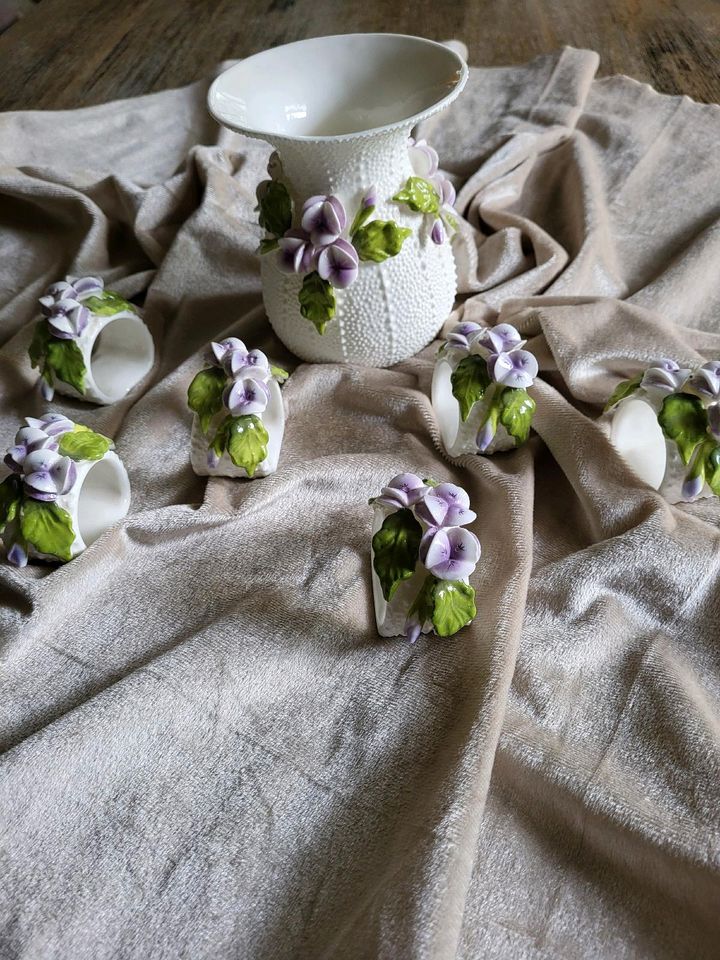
<point x="267" y="244"/>
<point x="395" y="547"/>
<point x="683" y="419"/>
<point x="420" y="195"/>
<point x="246" y="442"/>
<point x="64" y="359"/>
<point x="276" y="208"/>
<point x="470" y="380"/>
<point x="108" y="303"/>
<point x="622" y="390"/>
<point x="361" y="218"/>
<point x="424" y="603"/>
<point x="10" y="498"/>
<point x="379" y="240"/>
<point x="81" y="443"/>
<point x="205" y="394"/>
<point x="712" y="468"/>
<point x="279" y="374"/>
<point x="454" y="606"/>
<point x="39" y="342"/>
<point x="47" y="527"/>
<point x="516" y="413"/>
<point x="317" y="301"/>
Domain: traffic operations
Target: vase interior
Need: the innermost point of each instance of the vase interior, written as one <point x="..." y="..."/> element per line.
<point x="337" y="87"/>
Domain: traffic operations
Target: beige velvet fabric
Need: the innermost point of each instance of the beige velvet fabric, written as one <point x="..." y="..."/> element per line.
<point x="208" y="751"/>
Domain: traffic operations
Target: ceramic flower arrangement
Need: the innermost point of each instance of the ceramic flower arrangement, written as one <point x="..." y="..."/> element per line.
<point x="326" y="251"/>
<point x="238" y="406"/>
<point x="422" y="557"/>
<point x="686" y="403"/>
<point x="49" y="460"/>
<point x="480" y="386"/>
<point x="75" y="313"/>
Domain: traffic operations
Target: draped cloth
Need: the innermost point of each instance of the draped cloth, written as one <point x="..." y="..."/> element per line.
<point x="207" y="751"/>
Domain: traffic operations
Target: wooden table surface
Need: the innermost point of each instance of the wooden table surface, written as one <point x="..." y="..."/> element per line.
<point x="62" y="54"/>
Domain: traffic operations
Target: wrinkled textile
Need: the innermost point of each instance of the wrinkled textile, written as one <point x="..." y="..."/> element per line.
<point x="208" y="751"/>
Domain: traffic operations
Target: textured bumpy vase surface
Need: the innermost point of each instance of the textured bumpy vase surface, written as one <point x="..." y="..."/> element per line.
<point x="339" y="110"/>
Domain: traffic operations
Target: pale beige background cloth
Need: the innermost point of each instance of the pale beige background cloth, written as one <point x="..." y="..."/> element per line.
<point x="208" y="752"/>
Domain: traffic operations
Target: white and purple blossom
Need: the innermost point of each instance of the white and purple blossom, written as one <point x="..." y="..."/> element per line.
<point x="52" y="423"/>
<point x="515" y="369"/>
<point x="238" y="362"/>
<point x="324" y="218"/>
<point x="445" y="505"/>
<point x="39" y="434"/>
<point x="48" y="475"/>
<point x="371" y="198"/>
<point x="666" y="375"/>
<point x="245" y="396"/>
<point x="706" y="380"/>
<point x="17" y="555"/>
<point x="462" y="335"/>
<point x="413" y="628"/>
<point x="692" y="487"/>
<point x="450" y="553"/>
<point x="338" y="263"/>
<point x="502" y="338"/>
<point x="296" y="253"/>
<point x="437" y="234"/>
<point x="404" y="490"/>
<point x="47" y="390"/>
<point x="485" y="435"/>
<point x="62" y="305"/>
<point x="423" y="158"/>
<point x="445" y="189"/>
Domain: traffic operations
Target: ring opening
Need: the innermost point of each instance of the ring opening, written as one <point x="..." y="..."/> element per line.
<point x="447" y="409"/>
<point x="104" y="498"/>
<point x="638" y="438"/>
<point x="122" y="355"/>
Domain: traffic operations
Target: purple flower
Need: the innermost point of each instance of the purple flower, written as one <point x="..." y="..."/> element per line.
<point x="212" y="459"/>
<point x="713" y="415"/>
<point x="462" y="334"/>
<point x="17" y="555"/>
<point x="87" y="287"/>
<point x="47" y="391"/>
<point x="338" y="263"/>
<point x="404" y="490"/>
<point x="238" y="362"/>
<point x="516" y="369"/>
<point x="450" y="553"/>
<point x="47" y="474"/>
<point x="423" y="158"/>
<point x="485" y="435"/>
<point x="52" y="423"/>
<point x="28" y="440"/>
<point x="245" y="396"/>
<point x="413" y="628"/>
<point x="437" y="235"/>
<point x="445" y="189"/>
<point x="446" y="505"/>
<point x="370" y="199"/>
<point x="503" y="338"/>
<point x="324" y="219"/>
<point x="296" y="254"/>
<point x="692" y="487"/>
<point x="67" y="319"/>
<point x="665" y="375"/>
<point x="706" y="380"/>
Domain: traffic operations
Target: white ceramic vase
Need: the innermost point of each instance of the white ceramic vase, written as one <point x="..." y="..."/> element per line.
<point x="339" y="111"/>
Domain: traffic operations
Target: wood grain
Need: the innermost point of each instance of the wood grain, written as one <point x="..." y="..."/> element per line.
<point x="71" y="53"/>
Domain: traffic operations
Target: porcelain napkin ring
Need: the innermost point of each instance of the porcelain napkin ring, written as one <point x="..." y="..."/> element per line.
<point x="479" y="389"/>
<point x="422" y="558"/>
<point x="665" y="423"/>
<point x="239" y="417"/>
<point x="91" y="343"/>
<point x="66" y="488"/>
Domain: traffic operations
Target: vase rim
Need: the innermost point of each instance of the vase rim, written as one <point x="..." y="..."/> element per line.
<point x="251" y="96"/>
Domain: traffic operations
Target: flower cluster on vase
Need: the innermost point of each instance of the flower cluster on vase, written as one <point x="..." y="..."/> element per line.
<point x="428" y="192"/>
<point x="490" y="366"/>
<point x="326" y="248"/>
<point x="229" y="398"/>
<point x="426" y="524"/>
<point x="689" y="415"/>
<point x="43" y="464"/>
<point x="67" y="307"/>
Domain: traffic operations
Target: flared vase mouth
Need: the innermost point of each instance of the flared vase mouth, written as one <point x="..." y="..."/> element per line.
<point x="339" y="88"/>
